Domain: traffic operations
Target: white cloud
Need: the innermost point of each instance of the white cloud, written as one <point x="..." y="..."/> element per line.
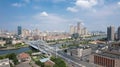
<point x="50" y="18"/>
<point x="72" y="9"/>
<point x="43" y="13"/>
<point x="118" y="3"/>
<point x="22" y="3"/>
<point x="83" y="4"/>
<point x="86" y="3"/>
<point x="17" y="4"/>
<point x="56" y="1"/>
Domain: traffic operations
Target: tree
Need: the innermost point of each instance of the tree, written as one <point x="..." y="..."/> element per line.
<point x="39" y="63"/>
<point x="13" y="57"/>
<point x="75" y="36"/>
<point x="58" y="62"/>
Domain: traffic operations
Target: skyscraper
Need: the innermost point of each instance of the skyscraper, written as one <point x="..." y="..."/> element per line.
<point x="118" y="33"/>
<point x="75" y="29"/>
<point x="19" y="30"/>
<point x="72" y="29"/>
<point x="79" y="28"/>
<point x="84" y="31"/>
<point x="110" y="33"/>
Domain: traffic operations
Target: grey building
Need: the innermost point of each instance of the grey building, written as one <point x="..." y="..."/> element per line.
<point x="19" y="30"/>
<point x="79" y="28"/>
<point x="110" y="33"/>
<point x="118" y="33"/>
<point x="80" y="51"/>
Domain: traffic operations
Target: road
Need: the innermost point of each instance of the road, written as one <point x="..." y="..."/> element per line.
<point x="48" y="49"/>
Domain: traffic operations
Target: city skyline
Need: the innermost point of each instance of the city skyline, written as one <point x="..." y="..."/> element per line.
<point x="59" y="14"/>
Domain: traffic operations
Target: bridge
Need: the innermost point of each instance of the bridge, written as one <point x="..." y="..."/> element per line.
<point x="43" y="47"/>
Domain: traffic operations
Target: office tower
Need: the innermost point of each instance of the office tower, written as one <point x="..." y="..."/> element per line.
<point x="118" y="33"/>
<point x="72" y="29"/>
<point x="36" y="31"/>
<point x="110" y="33"/>
<point x="79" y="28"/>
<point x="25" y="33"/>
<point x="75" y="29"/>
<point x="19" y="30"/>
<point x="84" y="31"/>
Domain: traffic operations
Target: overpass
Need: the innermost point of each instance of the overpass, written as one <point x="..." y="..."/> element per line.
<point x="43" y="47"/>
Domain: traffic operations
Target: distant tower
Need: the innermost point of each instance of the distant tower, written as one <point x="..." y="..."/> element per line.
<point x="72" y="29"/>
<point x="79" y="27"/>
<point x="118" y="33"/>
<point x="84" y="31"/>
<point x="110" y="33"/>
<point x="19" y="30"/>
<point x="75" y="29"/>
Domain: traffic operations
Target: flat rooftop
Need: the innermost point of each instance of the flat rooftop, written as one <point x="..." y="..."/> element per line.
<point x="110" y="54"/>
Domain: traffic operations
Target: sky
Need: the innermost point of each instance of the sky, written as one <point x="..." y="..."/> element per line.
<point x="58" y="15"/>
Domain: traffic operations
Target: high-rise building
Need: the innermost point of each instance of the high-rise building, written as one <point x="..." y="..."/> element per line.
<point x="25" y="33"/>
<point x="75" y="29"/>
<point x="19" y="30"/>
<point x="118" y="33"/>
<point x="72" y="29"/>
<point x="84" y="31"/>
<point x="110" y="33"/>
<point x="79" y="27"/>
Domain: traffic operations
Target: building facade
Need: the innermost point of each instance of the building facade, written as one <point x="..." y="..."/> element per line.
<point x="104" y="60"/>
<point x="118" y="33"/>
<point x="80" y="52"/>
<point x="72" y="29"/>
<point x="110" y="33"/>
<point x="19" y="30"/>
<point x="5" y="63"/>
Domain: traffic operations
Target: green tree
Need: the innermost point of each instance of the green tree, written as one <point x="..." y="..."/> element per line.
<point x="39" y="63"/>
<point x="75" y="36"/>
<point x="13" y="57"/>
<point x="58" y="62"/>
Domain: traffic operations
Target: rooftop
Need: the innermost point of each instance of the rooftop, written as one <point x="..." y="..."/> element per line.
<point x="110" y="54"/>
<point x="80" y="47"/>
<point x="44" y="60"/>
<point x="4" y="60"/>
<point x="4" y="63"/>
<point x="23" y="55"/>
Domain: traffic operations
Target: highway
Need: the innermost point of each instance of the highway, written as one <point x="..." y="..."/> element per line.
<point x="43" y="47"/>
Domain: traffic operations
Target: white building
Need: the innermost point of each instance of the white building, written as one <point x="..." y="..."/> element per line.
<point x="2" y="43"/>
<point x="25" y="33"/>
<point x="72" y="29"/>
<point x="4" y="63"/>
<point x="80" y="51"/>
<point x="16" y="41"/>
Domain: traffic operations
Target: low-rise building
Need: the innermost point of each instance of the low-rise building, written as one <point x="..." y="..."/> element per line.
<point x="2" y="43"/>
<point x="105" y="59"/>
<point x="4" y="63"/>
<point x="22" y="57"/>
<point x="80" y="51"/>
<point x="49" y="63"/>
<point x="16" y="41"/>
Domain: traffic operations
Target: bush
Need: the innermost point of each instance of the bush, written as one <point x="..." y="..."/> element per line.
<point x="58" y="62"/>
<point x="13" y="57"/>
<point x="39" y="63"/>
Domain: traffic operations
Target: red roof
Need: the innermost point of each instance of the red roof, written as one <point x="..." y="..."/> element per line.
<point x="23" y="55"/>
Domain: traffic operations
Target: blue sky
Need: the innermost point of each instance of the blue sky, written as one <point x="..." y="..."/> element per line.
<point x="58" y="15"/>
